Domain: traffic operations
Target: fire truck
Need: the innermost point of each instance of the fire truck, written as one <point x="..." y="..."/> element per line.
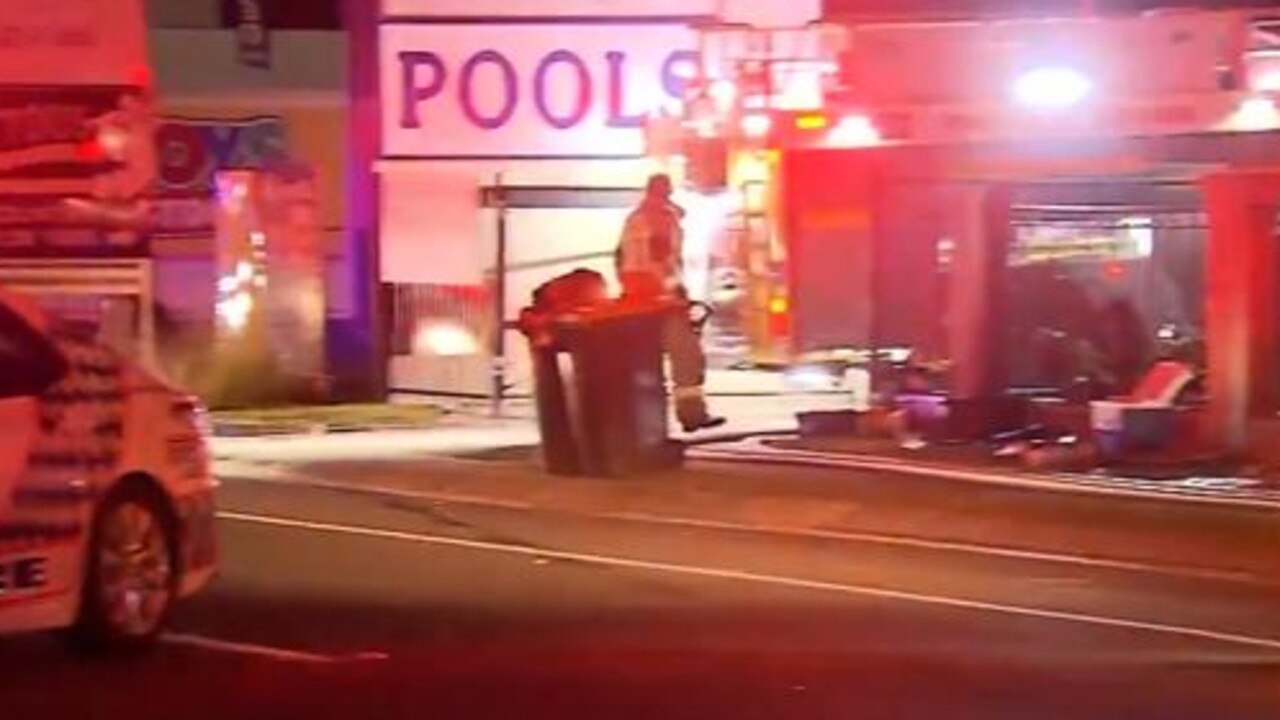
<point x="844" y="147"/>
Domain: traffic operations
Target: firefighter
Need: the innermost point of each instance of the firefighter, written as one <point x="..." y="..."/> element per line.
<point x="649" y="270"/>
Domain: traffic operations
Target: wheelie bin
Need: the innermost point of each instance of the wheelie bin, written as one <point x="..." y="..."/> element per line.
<point x="599" y="384"/>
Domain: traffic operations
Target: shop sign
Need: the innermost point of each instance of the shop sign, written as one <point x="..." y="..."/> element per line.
<point x="535" y="90"/>
<point x="191" y="152"/>
<point x="1050" y="243"/>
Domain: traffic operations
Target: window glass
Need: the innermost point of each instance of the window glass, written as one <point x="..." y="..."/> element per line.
<point x="29" y="362"/>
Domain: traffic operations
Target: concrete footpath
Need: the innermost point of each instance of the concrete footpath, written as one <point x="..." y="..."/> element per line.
<point x="758" y="435"/>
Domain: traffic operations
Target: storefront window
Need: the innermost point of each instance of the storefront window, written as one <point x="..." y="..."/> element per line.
<point x="1093" y="303"/>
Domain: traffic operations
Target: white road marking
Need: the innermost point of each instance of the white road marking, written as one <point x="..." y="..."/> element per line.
<point x="441" y="497"/>
<point x="950" y="546"/>
<point x="763" y="578"/>
<point x="999" y="551"/>
<point x="267" y="651"/>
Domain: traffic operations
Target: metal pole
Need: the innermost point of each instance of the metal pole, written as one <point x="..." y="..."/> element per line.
<point x="499" y="359"/>
<point x="875" y="321"/>
<point x="360" y="20"/>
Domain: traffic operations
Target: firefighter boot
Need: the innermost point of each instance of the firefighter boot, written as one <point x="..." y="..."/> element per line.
<point x="691" y="410"/>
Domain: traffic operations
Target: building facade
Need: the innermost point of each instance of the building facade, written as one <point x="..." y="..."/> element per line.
<point x="251" y="85"/>
<point x="522" y="123"/>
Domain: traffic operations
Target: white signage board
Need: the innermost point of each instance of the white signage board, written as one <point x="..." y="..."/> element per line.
<point x="535" y="90"/>
<point x="757" y="12"/>
<point x="549" y="8"/>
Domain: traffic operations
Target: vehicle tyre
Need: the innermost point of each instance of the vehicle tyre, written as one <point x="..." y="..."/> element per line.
<point x="131" y="572"/>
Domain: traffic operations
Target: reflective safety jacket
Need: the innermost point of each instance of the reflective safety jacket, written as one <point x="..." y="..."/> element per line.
<point x="651" y="245"/>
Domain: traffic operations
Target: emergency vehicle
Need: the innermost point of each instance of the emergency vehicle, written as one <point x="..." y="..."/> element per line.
<point x="839" y="143"/>
<point x="106" y="496"/>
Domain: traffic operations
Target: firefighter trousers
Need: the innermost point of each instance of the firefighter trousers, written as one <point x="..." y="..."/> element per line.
<point x="683" y="349"/>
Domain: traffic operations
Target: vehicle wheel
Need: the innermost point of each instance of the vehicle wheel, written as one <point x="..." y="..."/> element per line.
<point x="131" y="572"/>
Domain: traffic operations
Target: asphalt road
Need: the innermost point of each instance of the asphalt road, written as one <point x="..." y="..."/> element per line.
<point x="345" y="605"/>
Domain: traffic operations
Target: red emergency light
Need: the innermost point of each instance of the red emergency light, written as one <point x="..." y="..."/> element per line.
<point x="91" y="150"/>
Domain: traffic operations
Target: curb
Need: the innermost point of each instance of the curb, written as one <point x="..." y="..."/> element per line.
<point x="225" y="429"/>
<point x="595" y="499"/>
<point x="1242" y="495"/>
<point x="1235" y="492"/>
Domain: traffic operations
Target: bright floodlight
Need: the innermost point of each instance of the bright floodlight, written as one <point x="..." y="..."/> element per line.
<point x="723" y="92"/>
<point x="756" y="125"/>
<point x="444" y="338"/>
<point x="235" y="310"/>
<point x="854" y="131"/>
<point x="1256" y="114"/>
<point x="1051" y="87"/>
<point x="1268" y="81"/>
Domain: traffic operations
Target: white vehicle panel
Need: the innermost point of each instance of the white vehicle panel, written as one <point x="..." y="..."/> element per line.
<point x="65" y="449"/>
